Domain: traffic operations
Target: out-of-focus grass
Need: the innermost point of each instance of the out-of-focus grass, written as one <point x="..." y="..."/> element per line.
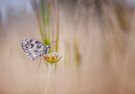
<point x="92" y="35"/>
<point x="57" y="32"/>
<point x="43" y="17"/>
<point x="77" y="55"/>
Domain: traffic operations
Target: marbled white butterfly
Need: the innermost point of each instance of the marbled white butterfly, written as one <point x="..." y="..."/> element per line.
<point x="33" y="48"/>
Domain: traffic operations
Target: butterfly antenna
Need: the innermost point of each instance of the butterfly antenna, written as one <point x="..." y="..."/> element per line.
<point x="53" y="42"/>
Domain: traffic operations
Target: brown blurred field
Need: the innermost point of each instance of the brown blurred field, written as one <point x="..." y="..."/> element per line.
<point x="104" y="33"/>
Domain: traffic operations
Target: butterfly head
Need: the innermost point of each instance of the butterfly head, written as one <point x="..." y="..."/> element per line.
<point x="48" y="48"/>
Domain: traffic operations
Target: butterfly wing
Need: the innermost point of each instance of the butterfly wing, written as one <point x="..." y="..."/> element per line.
<point x="33" y="48"/>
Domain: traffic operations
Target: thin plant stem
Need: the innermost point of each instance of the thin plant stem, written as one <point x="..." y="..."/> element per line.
<point x="57" y="35"/>
<point x="50" y="68"/>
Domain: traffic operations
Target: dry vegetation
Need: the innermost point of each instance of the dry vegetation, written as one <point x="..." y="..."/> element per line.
<point x="96" y="40"/>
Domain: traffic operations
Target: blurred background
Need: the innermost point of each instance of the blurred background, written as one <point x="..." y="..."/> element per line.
<point x="96" y="41"/>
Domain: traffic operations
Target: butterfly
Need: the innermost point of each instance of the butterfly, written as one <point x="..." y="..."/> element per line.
<point x="34" y="48"/>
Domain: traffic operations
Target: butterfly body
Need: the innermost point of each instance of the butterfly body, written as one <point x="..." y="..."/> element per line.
<point x="33" y="48"/>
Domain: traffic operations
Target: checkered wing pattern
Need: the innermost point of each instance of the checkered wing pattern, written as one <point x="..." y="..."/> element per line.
<point x="33" y="48"/>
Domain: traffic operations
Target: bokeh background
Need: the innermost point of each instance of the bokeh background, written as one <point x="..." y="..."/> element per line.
<point x="96" y="41"/>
